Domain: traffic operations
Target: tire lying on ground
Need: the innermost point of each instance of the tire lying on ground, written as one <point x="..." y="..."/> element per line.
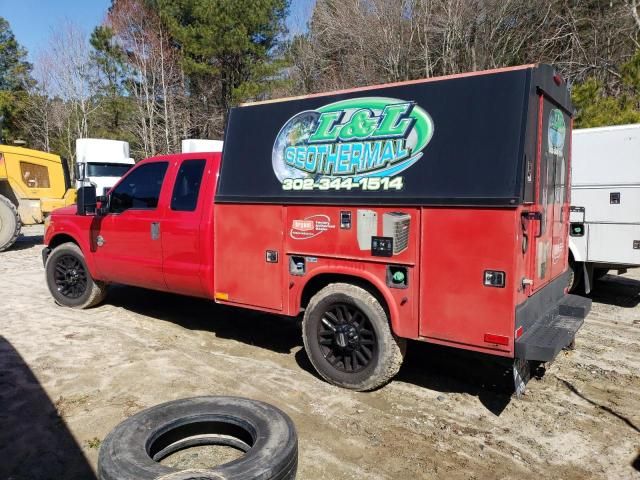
<point x="267" y="436"/>
<point x="9" y="223"/>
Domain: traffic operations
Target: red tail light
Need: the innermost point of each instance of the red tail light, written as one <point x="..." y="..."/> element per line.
<point x="497" y="339"/>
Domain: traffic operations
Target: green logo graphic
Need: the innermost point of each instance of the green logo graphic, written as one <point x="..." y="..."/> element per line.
<point x="557" y="132"/>
<point x="361" y="143"/>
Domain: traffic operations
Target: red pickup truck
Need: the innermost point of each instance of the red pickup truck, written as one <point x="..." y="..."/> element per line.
<point x="433" y="210"/>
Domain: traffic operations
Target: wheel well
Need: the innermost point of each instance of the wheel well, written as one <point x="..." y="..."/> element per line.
<point x="60" y="239"/>
<point x="318" y="282"/>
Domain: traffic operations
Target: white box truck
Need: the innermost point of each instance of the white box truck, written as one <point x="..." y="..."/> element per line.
<point x="605" y="203"/>
<point x="101" y="162"/>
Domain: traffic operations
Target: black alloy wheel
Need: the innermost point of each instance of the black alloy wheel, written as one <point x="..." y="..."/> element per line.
<point x="69" y="279"/>
<point x="70" y="276"/>
<point x="347" y="339"/>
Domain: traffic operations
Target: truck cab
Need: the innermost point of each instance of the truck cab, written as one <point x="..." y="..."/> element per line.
<point x="101" y="162"/>
<point x="365" y="213"/>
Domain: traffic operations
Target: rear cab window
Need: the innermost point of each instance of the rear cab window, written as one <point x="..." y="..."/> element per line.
<point x="187" y="186"/>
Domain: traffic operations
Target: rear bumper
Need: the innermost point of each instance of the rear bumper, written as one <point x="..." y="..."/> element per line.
<point x="550" y="320"/>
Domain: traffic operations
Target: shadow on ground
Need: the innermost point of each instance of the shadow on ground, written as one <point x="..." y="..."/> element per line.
<point x="450" y="370"/>
<point x="636" y="463"/>
<point x="434" y="367"/>
<point x="26" y="241"/>
<point x="271" y="332"/>
<point x="35" y="443"/>
<point x="617" y="290"/>
<point x="604" y="408"/>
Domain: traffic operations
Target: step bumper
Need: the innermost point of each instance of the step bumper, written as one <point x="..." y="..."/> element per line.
<point x="553" y="328"/>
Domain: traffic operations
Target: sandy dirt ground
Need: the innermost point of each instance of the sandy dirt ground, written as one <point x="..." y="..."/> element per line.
<point x="68" y="377"/>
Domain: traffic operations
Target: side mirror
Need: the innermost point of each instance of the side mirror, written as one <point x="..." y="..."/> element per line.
<point x="80" y="171"/>
<point x="87" y="201"/>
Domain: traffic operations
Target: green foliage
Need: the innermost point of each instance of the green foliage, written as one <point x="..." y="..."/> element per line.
<point x="15" y="71"/>
<point x="93" y="443"/>
<point x="15" y="79"/>
<point x="229" y="43"/>
<point x="117" y="107"/>
<point x="597" y="108"/>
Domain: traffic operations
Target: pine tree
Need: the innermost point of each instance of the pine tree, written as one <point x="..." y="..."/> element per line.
<point x="229" y="47"/>
<point x="15" y="80"/>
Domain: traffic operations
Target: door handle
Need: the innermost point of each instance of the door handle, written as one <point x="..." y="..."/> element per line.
<point x="155" y="230"/>
<point x="528" y="217"/>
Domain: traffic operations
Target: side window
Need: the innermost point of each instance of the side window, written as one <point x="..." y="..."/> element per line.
<point x="187" y="187"/>
<point x="34" y="176"/>
<point x="140" y="189"/>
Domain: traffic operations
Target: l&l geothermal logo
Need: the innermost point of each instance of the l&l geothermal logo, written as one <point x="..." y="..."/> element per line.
<point x="361" y="143"/>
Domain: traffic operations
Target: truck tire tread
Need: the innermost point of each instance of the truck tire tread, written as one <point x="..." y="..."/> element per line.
<point x="8" y="211"/>
<point x="131" y="449"/>
<point x="97" y="291"/>
<point x="392" y="349"/>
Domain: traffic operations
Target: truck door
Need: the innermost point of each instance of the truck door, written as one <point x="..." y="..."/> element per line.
<point x="127" y="239"/>
<point x="183" y="226"/>
<point x="550" y="250"/>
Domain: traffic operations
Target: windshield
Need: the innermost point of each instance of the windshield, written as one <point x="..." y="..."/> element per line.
<point x="107" y="169"/>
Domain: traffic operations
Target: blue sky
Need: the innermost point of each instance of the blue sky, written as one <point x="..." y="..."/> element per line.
<point x="32" y="21"/>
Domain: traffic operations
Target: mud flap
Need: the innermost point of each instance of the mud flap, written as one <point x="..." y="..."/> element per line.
<point x="587" y="275"/>
<point x="521" y="375"/>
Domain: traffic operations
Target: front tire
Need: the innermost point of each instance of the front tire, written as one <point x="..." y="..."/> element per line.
<point x="348" y="339"/>
<point x="10" y="223"/>
<point x="69" y="280"/>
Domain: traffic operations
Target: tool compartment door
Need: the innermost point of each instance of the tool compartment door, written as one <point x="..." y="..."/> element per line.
<point x="248" y="255"/>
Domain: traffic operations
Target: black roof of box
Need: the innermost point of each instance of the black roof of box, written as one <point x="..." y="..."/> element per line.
<point x="458" y="140"/>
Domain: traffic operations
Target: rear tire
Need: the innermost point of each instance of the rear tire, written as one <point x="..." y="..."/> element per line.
<point x="575" y="276"/>
<point x="69" y="280"/>
<point x="348" y="339"/>
<point x="10" y="223"/>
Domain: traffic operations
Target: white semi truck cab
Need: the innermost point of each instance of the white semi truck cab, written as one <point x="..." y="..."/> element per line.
<point x="605" y="203"/>
<point x="103" y="162"/>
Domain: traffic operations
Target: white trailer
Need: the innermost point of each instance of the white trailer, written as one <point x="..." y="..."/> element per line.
<point x="605" y="202"/>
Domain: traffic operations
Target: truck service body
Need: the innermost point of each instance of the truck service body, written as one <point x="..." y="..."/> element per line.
<point x="433" y="210"/>
<point x="605" y="202"/>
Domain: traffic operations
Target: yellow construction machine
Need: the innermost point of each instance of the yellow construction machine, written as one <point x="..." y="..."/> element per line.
<point x="32" y="185"/>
